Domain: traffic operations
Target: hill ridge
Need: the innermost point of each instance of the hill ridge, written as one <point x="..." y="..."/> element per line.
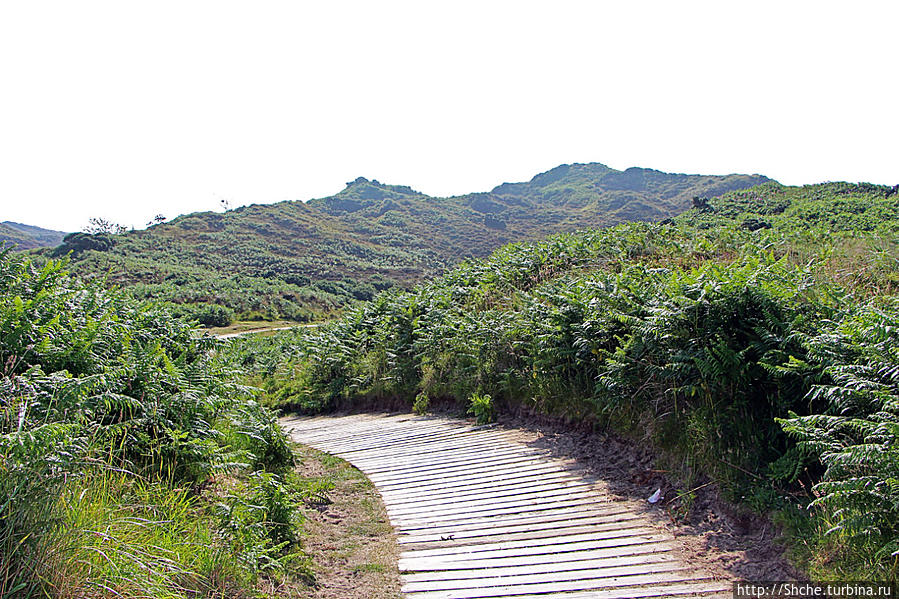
<point x="27" y="237"/>
<point x="296" y="259"/>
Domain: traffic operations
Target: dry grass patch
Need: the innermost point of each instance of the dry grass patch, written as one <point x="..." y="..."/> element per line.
<point x="347" y="533"/>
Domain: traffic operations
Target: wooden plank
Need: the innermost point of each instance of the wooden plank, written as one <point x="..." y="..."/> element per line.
<point x="404" y="441"/>
<point x="471" y="556"/>
<point x="472" y="483"/>
<point x="490" y="579"/>
<point x="436" y="451"/>
<point x="525" y="518"/>
<point x="361" y="437"/>
<point x="495" y="468"/>
<point x="556" y="525"/>
<point x="326" y="425"/>
<point x="480" y="465"/>
<point x="484" y="512"/>
<point x="541" y="537"/>
<point x="367" y="444"/>
<point x="552" y="545"/>
<point x="462" y="489"/>
<point x="559" y="561"/>
<point x="476" y="508"/>
<point x="636" y="561"/>
<point x="431" y="484"/>
<point x="448" y="443"/>
<point x="517" y="491"/>
<point x="702" y="589"/>
<point x="450" y="437"/>
<point x="470" y="508"/>
<point x="427" y="461"/>
<point x="562" y="586"/>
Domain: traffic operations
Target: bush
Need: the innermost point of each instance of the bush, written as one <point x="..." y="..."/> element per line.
<point x="211" y="315"/>
<point x="113" y="415"/>
<point x="482" y="408"/>
<point x="81" y="242"/>
<point x="857" y="439"/>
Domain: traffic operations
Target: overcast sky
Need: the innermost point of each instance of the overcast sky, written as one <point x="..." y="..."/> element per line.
<point x="124" y="110"/>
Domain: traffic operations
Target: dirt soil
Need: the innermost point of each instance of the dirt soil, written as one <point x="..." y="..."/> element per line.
<point x="731" y="542"/>
<point x="348" y="534"/>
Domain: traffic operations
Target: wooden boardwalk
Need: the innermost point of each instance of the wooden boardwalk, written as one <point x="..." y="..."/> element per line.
<point x="480" y="513"/>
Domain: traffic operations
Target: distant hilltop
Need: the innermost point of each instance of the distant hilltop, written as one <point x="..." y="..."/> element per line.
<point x="297" y="259"/>
<point x="27" y="237"/>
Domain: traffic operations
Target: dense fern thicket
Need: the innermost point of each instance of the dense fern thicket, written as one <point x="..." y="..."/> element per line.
<point x="132" y="462"/>
<point x="763" y="358"/>
<point x="831" y="207"/>
<point x="298" y="260"/>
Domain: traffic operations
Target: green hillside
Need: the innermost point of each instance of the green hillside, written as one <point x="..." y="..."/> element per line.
<point x="759" y="357"/>
<point x="296" y="259"/>
<point x="858" y="207"/>
<point x="26" y="237"/>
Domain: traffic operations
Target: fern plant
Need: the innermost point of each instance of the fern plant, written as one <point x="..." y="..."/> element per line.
<point x="857" y="439"/>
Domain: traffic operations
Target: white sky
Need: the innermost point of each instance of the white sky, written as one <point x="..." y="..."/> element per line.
<point x="125" y="109"/>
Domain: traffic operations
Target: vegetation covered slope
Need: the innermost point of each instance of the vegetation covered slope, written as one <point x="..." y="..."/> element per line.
<point x="833" y="207"/>
<point x="26" y="237"/>
<point x="762" y="358"/>
<point x="132" y="462"/>
<point x="294" y="259"/>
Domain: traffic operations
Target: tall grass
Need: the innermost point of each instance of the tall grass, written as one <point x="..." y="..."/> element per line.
<point x="128" y="449"/>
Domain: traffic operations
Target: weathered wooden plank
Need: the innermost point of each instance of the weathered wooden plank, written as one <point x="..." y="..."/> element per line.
<point x="557" y="587"/>
<point x="636" y="561"/>
<point x="470" y="555"/>
<point x="468" y="510"/>
<point x="703" y="589"/>
<point x="489" y="578"/>
<point x="378" y="457"/>
<point x="449" y="442"/>
<point x="367" y="445"/>
<point x="404" y="442"/>
<point x="433" y="483"/>
<point x="415" y="522"/>
<point x="438" y="436"/>
<point x="442" y="449"/>
<point x="359" y="438"/>
<point x="520" y="491"/>
<point x="540" y="537"/>
<point x="561" y="544"/>
<point x="483" y="514"/>
<point x="350" y="425"/>
<point x="461" y="488"/>
<point x="425" y="462"/>
<point x="495" y="509"/>
<point x="474" y="471"/>
<point x="500" y="463"/>
<point x="562" y="514"/>
<point x="555" y="525"/>
<point x="558" y="559"/>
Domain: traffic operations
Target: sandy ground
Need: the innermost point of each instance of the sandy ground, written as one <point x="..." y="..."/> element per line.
<point x="349" y="537"/>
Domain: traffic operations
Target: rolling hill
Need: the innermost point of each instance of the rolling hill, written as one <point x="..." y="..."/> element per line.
<point x="297" y="259"/>
<point x="27" y="237"/>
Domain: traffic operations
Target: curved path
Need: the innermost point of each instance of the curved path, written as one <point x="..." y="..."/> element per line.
<point x="480" y="513"/>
